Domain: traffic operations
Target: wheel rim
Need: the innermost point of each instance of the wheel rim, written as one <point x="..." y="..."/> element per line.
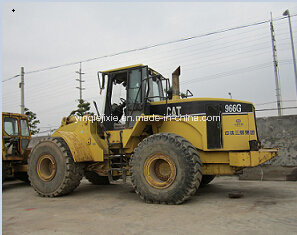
<point x="46" y="167"/>
<point x="159" y="171"/>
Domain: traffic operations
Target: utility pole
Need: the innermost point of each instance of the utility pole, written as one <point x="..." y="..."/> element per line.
<point x="287" y="13"/>
<point x="80" y="82"/>
<point x="276" y="70"/>
<point x="21" y="85"/>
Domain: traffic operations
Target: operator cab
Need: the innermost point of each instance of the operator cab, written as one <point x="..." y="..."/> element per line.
<point x="129" y="92"/>
<point x="16" y="134"/>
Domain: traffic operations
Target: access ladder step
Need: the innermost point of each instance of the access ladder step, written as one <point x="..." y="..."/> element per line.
<point x="115" y="144"/>
<point x="116" y="156"/>
<point x="117" y="165"/>
<point x="117" y="169"/>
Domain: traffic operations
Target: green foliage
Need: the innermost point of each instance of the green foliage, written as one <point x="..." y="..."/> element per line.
<point x="83" y="108"/>
<point x="33" y="121"/>
<point x="183" y="95"/>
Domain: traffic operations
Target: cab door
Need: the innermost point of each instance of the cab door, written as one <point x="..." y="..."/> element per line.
<point x="25" y="135"/>
<point x="135" y="95"/>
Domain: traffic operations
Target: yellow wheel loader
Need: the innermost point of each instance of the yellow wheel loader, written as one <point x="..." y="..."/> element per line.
<point x="168" y="145"/>
<point x="15" y="140"/>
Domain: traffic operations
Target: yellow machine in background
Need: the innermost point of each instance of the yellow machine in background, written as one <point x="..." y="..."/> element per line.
<point x="168" y="145"/>
<point x="15" y="140"/>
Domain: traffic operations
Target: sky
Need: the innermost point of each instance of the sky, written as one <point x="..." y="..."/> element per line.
<point x="44" y="34"/>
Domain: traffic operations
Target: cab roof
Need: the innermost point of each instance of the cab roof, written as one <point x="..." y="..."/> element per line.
<point x="123" y="68"/>
<point x="14" y="115"/>
<point x="130" y="67"/>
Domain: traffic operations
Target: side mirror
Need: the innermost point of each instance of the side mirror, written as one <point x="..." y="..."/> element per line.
<point x="189" y="93"/>
<point x="101" y="81"/>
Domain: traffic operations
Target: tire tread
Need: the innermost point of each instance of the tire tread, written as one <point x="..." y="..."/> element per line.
<point x="73" y="171"/>
<point x="192" y="159"/>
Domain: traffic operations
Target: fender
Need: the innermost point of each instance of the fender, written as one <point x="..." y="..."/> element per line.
<point x="190" y="130"/>
<point x="82" y="150"/>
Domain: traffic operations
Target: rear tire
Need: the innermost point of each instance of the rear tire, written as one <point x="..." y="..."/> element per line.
<point x="166" y="168"/>
<point x="96" y="179"/>
<point x="206" y="179"/>
<point x="52" y="171"/>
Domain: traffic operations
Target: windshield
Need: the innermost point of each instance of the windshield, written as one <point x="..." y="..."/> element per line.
<point x="11" y="126"/>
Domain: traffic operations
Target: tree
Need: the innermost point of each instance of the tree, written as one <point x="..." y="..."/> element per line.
<point x="83" y="108"/>
<point x="183" y="95"/>
<point x="33" y="121"/>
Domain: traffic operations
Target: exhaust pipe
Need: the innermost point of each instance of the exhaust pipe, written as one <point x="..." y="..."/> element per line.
<point x="175" y="84"/>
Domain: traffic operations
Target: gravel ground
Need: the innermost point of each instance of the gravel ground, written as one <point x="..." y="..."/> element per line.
<point x="267" y="207"/>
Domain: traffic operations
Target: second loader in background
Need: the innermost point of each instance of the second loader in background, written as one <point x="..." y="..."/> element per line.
<point x="15" y="141"/>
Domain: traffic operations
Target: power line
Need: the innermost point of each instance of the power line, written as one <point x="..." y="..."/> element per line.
<point x="221" y="46"/>
<point x="208" y="42"/>
<point x="176" y="56"/>
<point x="46" y="83"/>
<point x="273" y="102"/>
<point x="8" y="79"/>
<point x="155" y="45"/>
<point x="172" y="58"/>
<point x="61" y="90"/>
<point x="229" y="73"/>
<point x="213" y="57"/>
<point x="276" y="109"/>
<point x="228" y="58"/>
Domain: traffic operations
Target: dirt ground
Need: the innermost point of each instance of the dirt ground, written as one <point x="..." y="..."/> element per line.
<point x="267" y="207"/>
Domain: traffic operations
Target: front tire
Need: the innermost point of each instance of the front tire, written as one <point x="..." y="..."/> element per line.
<point x="52" y="171"/>
<point x="166" y="168"/>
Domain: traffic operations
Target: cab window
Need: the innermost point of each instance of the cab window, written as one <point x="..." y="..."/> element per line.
<point x="24" y="128"/>
<point x="156" y="92"/>
<point x="134" y="95"/>
<point x="11" y="126"/>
